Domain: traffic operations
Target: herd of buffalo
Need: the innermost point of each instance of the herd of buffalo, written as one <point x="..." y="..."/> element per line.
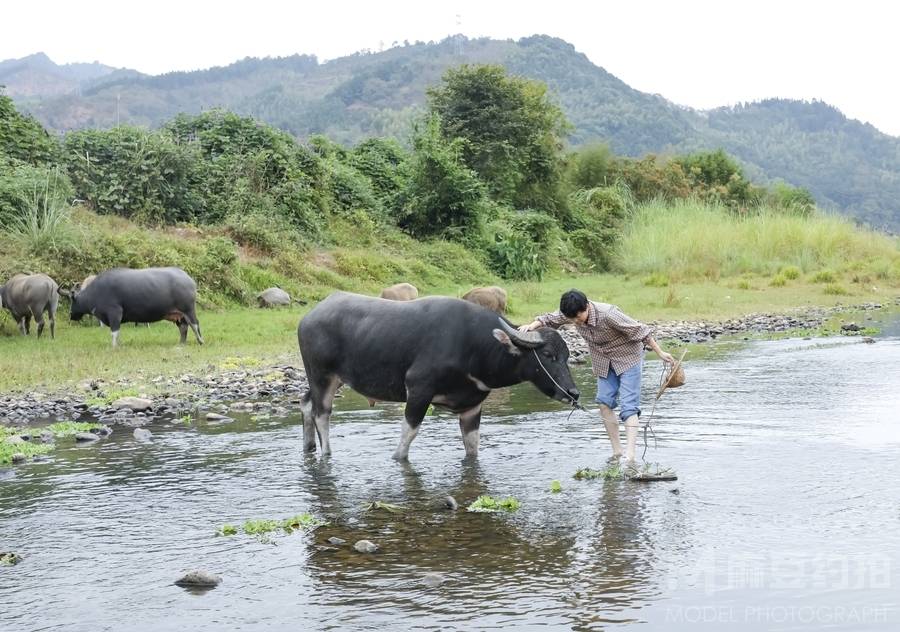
<point x="438" y="350"/>
<point x="123" y="295"/>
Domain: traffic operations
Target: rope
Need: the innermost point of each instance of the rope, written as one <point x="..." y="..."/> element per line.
<point x="575" y="403"/>
<point x="647" y="426"/>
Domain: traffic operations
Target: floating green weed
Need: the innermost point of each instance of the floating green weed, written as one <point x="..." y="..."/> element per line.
<point x="9" y="559"/>
<point x="263" y="527"/>
<point x="227" y="529"/>
<point x="555" y="487"/>
<point x="385" y="507"/>
<point x="487" y="504"/>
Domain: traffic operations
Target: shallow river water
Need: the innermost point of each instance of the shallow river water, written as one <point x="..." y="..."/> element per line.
<point x="786" y="514"/>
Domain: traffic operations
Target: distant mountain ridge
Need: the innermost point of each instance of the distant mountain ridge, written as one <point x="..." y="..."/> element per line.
<point x="846" y="164"/>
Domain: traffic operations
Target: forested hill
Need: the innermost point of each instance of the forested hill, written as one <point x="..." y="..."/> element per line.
<point x="845" y="163"/>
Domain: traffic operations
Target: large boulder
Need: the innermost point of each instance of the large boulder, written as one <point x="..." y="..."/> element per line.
<point x="137" y="404"/>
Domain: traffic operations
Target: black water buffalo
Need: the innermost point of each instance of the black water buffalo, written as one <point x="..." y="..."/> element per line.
<point x="436" y="350"/>
<point x="123" y="295"/>
<point x="30" y="295"/>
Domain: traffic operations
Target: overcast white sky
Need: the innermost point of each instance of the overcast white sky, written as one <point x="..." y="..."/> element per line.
<point x="698" y="53"/>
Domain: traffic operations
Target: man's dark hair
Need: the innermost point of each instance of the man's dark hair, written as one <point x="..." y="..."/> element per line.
<point x="572" y="303"/>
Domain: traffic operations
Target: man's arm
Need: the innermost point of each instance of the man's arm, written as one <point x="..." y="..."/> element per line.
<point x="554" y="320"/>
<point x="637" y="331"/>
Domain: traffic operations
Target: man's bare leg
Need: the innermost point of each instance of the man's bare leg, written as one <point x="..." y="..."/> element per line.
<point x="631" y="432"/>
<point x="612" y="429"/>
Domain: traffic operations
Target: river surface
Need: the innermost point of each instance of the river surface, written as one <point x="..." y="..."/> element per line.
<point x="785" y="515"/>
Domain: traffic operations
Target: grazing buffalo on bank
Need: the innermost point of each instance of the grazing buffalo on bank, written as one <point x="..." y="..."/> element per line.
<point x="28" y="296"/>
<point x="436" y="350"/>
<point x="123" y="295"/>
<point x="492" y="297"/>
<point x="400" y="292"/>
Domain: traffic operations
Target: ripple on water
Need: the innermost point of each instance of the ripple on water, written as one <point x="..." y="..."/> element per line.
<point x="782" y="455"/>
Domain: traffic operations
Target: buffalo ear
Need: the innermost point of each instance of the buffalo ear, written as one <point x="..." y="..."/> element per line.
<point x="506" y="341"/>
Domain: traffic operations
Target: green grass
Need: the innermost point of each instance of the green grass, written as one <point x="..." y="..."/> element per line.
<point x="243" y="337"/>
<point x="64" y="429"/>
<point x="693" y="240"/>
<point x="28" y="448"/>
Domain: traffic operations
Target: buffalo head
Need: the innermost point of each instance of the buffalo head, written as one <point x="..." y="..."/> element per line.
<point x="543" y="360"/>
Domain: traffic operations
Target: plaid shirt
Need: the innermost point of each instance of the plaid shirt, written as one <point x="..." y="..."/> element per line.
<point x="613" y="338"/>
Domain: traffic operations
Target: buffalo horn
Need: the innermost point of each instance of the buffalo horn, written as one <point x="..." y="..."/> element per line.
<point x="529" y="339"/>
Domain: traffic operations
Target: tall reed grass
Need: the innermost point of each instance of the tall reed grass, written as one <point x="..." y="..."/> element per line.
<point x="692" y="240"/>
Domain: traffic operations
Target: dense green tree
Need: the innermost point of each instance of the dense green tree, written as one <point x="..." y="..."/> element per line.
<point x="442" y="195"/>
<point x="511" y="128"/>
<point x="22" y="138"/>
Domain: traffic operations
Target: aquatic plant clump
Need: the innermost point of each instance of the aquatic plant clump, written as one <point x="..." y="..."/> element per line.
<point x="487" y="504"/>
<point x="383" y="506"/>
<point x="611" y="473"/>
<point x="555" y="487"/>
<point x="299" y="522"/>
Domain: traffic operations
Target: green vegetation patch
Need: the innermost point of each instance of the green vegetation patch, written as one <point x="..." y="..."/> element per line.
<point x="488" y="504"/>
<point x="29" y="449"/>
<point x="835" y="289"/>
<point x="8" y="558"/>
<point x="64" y="429"/>
<point x="555" y="487"/>
<point x="823" y="276"/>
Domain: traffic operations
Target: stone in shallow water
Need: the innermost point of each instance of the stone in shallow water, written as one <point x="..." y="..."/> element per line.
<point x="142" y="434"/>
<point x="217" y="417"/>
<point x="336" y="541"/>
<point x="14" y="440"/>
<point x="18" y="457"/>
<point x="433" y="580"/>
<point x="86" y="437"/>
<point x="450" y="503"/>
<point x="365" y="546"/>
<point x="199" y="579"/>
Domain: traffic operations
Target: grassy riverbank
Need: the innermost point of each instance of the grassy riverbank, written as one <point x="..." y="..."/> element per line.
<point x="249" y="336"/>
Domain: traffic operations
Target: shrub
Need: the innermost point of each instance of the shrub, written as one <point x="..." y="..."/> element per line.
<point x="523" y="243"/>
<point x="656" y="280"/>
<point x="442" y="196"/>
<point x="778" y="280"/>
<point x="791" y="273"/>
<point x="835" y="289"/>
<point x="744" y="284"/>
<point x="823" y="276"/>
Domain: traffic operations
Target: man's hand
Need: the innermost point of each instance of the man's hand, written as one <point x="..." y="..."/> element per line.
<point x="530" y="326"/>
<point x="666" y="357"/>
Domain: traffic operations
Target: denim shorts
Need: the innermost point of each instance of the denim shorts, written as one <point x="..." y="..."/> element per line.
<point x="623" y="390"/>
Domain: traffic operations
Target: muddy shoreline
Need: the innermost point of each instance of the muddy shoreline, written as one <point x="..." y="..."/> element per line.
<point x="276" y="388"/>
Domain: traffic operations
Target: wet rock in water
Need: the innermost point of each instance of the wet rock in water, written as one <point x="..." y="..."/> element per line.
<point x="850" y="327"/>
<point x="868" y="340"/>
<point x="14" y="440"/>
<point x="199" y="579"/>
<point x="142" y="434"/>
<point x="103" y="431"/>
<point x="86" y="437"/>
<point x="217" y="417"/>
<point x="433" y="580"/>
<point x="338" y="541"/>
<point x="18" y="457"/>
<point x="9" y="558"/>
<point x="134" y="403"/>
<point x="365" y="546"/>
<point x="450" y="503"/>
<point x="47" y="437"/>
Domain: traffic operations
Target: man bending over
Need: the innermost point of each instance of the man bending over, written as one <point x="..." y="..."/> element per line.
<point x="617" y="344"/>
